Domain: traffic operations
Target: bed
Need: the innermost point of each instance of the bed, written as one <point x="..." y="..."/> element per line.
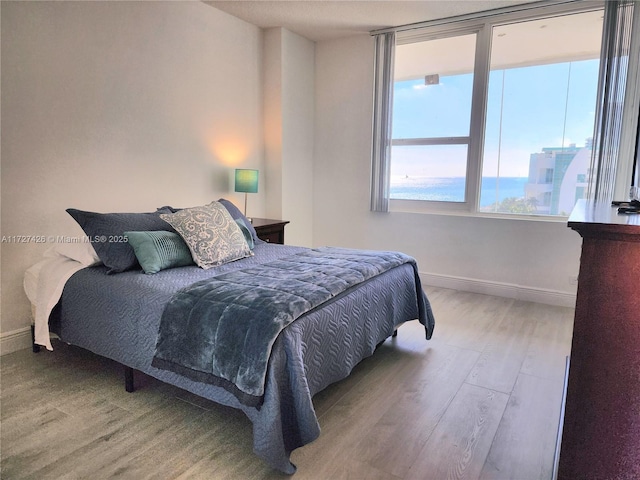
<point x="122" y="316"/>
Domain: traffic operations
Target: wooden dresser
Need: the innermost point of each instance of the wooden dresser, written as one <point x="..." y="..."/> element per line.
<point x="601" y="433"/>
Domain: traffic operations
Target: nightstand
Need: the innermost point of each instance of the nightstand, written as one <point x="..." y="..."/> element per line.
<point x="269" y="230"/>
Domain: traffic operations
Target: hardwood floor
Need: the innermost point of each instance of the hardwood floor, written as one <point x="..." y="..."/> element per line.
<point x="479" y="401"/>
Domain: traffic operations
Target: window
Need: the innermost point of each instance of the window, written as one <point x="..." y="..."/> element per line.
<point x="496" y="116"/>
<point x="431" y="119"/>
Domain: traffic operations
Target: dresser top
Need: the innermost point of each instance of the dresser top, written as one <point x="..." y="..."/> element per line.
<point x="593" y="218"/>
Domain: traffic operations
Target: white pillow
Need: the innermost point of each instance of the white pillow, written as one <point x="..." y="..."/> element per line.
<point x="82" y="252"/>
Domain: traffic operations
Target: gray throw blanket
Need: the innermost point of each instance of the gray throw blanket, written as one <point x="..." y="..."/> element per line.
<point x="221" y="330"/>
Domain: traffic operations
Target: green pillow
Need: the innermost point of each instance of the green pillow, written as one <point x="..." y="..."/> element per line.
<point x="245" y="231"/>
<point x="159" y="250"/>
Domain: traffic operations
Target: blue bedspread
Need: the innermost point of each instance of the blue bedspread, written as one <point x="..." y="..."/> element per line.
<point x="221" y="330"/>
<point x="118" y="317"/>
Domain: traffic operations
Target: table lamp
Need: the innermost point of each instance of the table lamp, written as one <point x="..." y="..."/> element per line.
<point x="247" y="182"/>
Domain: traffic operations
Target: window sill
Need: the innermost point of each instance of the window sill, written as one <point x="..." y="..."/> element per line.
<point x="464" y="210"/>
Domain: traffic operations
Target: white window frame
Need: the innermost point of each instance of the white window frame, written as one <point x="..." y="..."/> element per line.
<point x="482" y="25"/>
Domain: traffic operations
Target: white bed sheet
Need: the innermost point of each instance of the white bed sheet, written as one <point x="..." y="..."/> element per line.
<point x="43" y="284"/>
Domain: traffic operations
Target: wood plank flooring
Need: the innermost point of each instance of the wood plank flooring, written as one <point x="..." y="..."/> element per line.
<point x="479" y="401"/>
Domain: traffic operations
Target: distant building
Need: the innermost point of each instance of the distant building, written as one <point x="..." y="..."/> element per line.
<point x="558" y="176"/>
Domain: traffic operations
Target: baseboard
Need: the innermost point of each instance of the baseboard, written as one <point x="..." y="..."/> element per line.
<point x="519" y="292"/>
<point x="15" y="340"/>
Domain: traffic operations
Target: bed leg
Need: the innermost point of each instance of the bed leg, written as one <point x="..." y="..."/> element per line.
<point x="35" y="348"/>
<point x="128" y="379"/>
<point x="395" y="333"/>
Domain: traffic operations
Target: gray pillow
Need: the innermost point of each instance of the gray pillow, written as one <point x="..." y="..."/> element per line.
<point x="105" y="231"/>
<point x="159" y="250"/>
<point x="238" y="215"/>
<point x="212" y="235"/>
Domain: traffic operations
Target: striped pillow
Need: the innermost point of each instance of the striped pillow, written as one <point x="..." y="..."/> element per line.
<point x="159" y="250"/>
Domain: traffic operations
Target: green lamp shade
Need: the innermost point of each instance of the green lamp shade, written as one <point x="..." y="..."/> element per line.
<point x="246" y="180"/>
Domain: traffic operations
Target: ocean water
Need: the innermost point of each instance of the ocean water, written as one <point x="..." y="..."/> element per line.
<point x="452" y="189"/>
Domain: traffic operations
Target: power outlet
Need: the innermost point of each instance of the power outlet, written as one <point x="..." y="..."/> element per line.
<point x="573" y="279"/>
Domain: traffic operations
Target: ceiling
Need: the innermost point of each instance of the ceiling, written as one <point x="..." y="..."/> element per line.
<point x="557" y="39"/>
<point x="329" y="19"/>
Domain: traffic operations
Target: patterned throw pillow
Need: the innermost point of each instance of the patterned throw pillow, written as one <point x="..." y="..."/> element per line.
<point x="212" y="235"/>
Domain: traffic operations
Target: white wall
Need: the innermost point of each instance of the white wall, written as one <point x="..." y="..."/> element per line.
<point x="272" y="118"/>
<point x="119" y="106"/>
<point x="518" y="258"/>
<point x="298" y="137"/>
<point x="289" y="86"/>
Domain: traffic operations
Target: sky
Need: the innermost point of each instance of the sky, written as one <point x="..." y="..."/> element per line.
<point x="532" y="102"/>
